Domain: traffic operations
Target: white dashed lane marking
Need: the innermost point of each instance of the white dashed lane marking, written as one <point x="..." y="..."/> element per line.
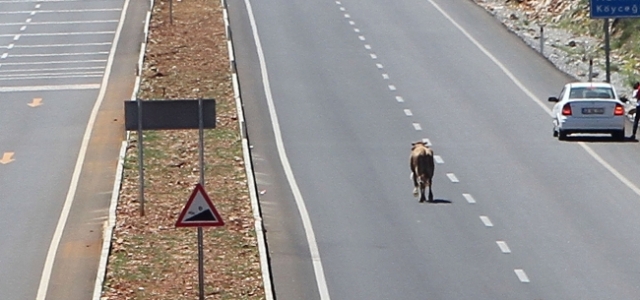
<point x="380" y="66"/>
<point x="417" y="126"/>
<point x="356" y="30"/>
<point x="453" y="177"/>
<point x="486" y="221"/>
<point x="352" y="23"/>
<point x="408" y="112"/>
<point x="385" y="76"/>
<point x="522" y="276"/>
<point x="373" y="56"/>
<point x="503" y="247"/>
<point x="427" y="142"/>
<point x="342" y="9"/>
<point x="367" y="46"/>
<point x="392" y="87"/>
<point x="361" y="37"/>
<point x="469" y="198"/>
<point x="399" y="99"/>
<point x="4" y="55"/>
<point x="347" y="16"/>
<point x="438" y="159"/>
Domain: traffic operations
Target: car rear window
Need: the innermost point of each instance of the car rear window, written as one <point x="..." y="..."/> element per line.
<point x="591" y="93"/>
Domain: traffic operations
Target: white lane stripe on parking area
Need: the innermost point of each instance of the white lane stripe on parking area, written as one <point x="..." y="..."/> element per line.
<point x="29" y="77"/>
<point x="60" y="54"/>
<point x="50" y="69"/>
<point x="453" y="177"/>
<point x="66" y="62"/>
<point x="469" y="198"/>
<point x="486" y="221"/>
<point x="11" y="89"/>
<point x="64" y="45"/>
<point x="522" y="276"/>
<point x="58" y="11"/>
<point x="58" y="23"/>
<point x="60" y="33"/>
<point x="503" y="247"/>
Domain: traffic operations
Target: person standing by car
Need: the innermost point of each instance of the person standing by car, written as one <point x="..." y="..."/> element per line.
<point x="635" y="95"/>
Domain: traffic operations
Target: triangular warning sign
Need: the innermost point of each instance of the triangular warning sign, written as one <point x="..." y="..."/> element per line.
<point x="199" y="211"/>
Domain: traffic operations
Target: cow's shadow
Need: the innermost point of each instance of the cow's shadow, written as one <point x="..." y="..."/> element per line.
<point x="437" y="201"/>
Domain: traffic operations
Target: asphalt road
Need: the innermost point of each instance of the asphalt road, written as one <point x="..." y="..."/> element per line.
<point x="519" y="215"/>
<point x="54" y="55"/>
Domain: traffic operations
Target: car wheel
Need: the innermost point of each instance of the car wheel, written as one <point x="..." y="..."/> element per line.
<point x="618" y="135"/>
<point x="562" y="135"/>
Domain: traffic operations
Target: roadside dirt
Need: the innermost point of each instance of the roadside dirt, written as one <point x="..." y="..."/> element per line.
<point x="186" y="58"/>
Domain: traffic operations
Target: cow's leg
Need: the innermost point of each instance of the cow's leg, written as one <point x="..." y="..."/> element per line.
<point x="430" y="194"/>
<point x="415" y="184"/>
<point x="422" y="198"/>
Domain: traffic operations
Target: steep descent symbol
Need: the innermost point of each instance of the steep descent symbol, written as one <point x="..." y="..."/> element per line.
<point x="199" y="211"/>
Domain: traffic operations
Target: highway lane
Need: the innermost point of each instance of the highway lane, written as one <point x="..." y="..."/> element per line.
<point x="354" y="82"/>
<point x="55" y="53"/>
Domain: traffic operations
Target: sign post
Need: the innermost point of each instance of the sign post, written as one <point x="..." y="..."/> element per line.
<point x="608" y="9"/>
<point x="199" y="212"/>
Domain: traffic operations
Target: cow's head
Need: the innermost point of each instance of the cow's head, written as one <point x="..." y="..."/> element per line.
<point x="418" y="144"/>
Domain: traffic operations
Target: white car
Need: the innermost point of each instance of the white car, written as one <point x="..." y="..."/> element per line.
<point x="588" y="107"/>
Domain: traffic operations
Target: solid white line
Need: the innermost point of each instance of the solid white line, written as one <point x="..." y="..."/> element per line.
<point x="522" y="276"/>
<point x="11" y="89"/>
<point x="417" y="126"/>
<point x="438" y="159"/>
<point x="61" y="33"/>
<point x="302" y="209"/>
<point x="64" y="215"/>
<point x="29" y="77"/>
<point x="66" y="62"/>
<point x="486" y="221"/>
<point x="399" y="99"/>
<point x="51" y="69"/>
<point x="17" y="12"/>
<point x="64" y="45"/>
<point x="503" y="247"/>
<point x="453" y="177"/>
<point x="535" y="99"/>
<point x="58" y="23"/>
<point x="408" y="113"/>
<point x="469" y="198"/>
<point x="60" y="54"/>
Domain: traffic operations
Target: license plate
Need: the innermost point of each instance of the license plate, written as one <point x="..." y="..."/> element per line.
<point x="593" y="111"/>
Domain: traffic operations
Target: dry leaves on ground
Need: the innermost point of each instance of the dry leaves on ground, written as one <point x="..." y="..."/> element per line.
<point x="150" y="259"/>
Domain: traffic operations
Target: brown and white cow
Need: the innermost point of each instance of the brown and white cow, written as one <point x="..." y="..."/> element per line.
<point x="422" y="168"/>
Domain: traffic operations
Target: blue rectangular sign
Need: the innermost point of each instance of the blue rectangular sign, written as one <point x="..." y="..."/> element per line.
<point x="602" y="9"/>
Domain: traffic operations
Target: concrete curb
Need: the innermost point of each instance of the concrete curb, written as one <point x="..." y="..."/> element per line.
<point x="251" y="184"/>
<point x="110" y="224"/>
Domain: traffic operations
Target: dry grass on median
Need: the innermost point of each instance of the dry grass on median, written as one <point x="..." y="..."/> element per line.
<point x="150" y="259"/>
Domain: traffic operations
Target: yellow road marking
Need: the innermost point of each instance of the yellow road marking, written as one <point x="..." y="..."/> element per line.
<point x="7" y="157"/>
<point x="35" y="102"/>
